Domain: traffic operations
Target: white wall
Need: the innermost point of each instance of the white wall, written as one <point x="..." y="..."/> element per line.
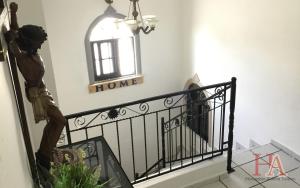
<point x="67" y="22"/>
<point x="13" y="157"/>
<point x="258" y="42"/>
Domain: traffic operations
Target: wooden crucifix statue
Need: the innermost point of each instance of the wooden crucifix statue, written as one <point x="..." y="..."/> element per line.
<point x="24" y="43"/>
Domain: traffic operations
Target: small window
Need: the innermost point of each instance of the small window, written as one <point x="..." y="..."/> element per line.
<point x="105" y="59"/>
<point x="112" y="49"/>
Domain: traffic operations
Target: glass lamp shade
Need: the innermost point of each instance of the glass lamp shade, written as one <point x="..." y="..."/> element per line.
<point x="132" y="24"/>
<point x="150" y="20"/>
<point x="118" y="22"/>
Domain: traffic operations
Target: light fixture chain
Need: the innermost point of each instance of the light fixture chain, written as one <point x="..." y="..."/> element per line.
<point x="135" y="24"/>
<point x="142" y="20"/>
<point x="129" y="10"/>
<point x="109" y="1"/>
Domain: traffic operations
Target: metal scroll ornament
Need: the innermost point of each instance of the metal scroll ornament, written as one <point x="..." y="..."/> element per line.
<point x="79" y="122"/>
<point x="144" y="108"/>
<point x="122" y="111"/>
<point x="172" y="124"/>
<point x="169" y="102"/>
<point x="219" y="93"/>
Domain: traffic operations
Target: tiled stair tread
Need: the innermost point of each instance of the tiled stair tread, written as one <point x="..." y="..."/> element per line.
<point x="288" y="162"/>
<point x="221" y="184"/>
<point x="244" y="164"/>
<point x="257" y="186"/>
<point x="265" y="150"/>
<point x="247" y="156"/>
<point x="295" y="175"/>
<point x="214" y="185"/>
<point x="239" y="179"/>
<point x="251" y="170"/>
<point x="280" y="184"/>
<point x="242" y="158"/>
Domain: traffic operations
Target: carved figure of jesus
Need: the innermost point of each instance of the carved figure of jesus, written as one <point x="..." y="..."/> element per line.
<point x="24" y="43"/>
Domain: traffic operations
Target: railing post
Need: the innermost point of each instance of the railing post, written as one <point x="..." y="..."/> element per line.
<point x="181" y="162"/>
<point x="163" y="146"/>
<point x="231" y="123"/>
<point x="68" y="132"/>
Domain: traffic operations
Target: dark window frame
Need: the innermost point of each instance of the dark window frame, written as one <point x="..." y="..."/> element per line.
<point x="115" y="59"/>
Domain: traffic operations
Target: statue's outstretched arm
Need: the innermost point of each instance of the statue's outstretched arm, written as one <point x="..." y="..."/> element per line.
<point x="13" y="16"/>
<point x="12" y="34"/>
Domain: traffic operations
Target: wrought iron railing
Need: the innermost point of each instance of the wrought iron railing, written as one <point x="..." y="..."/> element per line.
<point x="157" y="135"/>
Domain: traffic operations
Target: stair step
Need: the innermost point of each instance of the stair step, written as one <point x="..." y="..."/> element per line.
<point x="253" y="144"/>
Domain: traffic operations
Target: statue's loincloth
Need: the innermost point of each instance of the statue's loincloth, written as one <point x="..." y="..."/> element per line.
<point x="41" y="99"/>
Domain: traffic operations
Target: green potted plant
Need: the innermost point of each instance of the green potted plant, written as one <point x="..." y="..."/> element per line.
<point x="70" y="171"/>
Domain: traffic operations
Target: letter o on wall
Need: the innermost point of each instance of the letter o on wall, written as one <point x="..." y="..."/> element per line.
<point x="111" y="85"/>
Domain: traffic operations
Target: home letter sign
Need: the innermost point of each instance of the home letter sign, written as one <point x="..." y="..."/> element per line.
<point x="113" y="84"/>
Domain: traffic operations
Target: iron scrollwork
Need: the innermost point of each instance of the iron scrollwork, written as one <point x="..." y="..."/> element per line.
<point x="104" y="115"/>
<point x="166" y="126"/>
<point x="169" y="102"/>
<point x="144" y="108"/>
<point x="219" y="91"/>
<point x="79" y="122"/>
<point x="122" y="111"/>
<point x="110" y="114"/>
<point x="174" y="123"/>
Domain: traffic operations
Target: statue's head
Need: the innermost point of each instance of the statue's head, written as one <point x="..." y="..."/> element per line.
<point x="31" y="38"/>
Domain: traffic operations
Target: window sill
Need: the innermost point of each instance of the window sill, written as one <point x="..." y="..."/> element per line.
<point x="116" y="83"/>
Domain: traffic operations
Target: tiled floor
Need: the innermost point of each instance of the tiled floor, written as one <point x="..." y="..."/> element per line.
<point x="252" y="166"/>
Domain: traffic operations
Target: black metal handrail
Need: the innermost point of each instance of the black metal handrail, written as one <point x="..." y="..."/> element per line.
<point x="170" y="131"/>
